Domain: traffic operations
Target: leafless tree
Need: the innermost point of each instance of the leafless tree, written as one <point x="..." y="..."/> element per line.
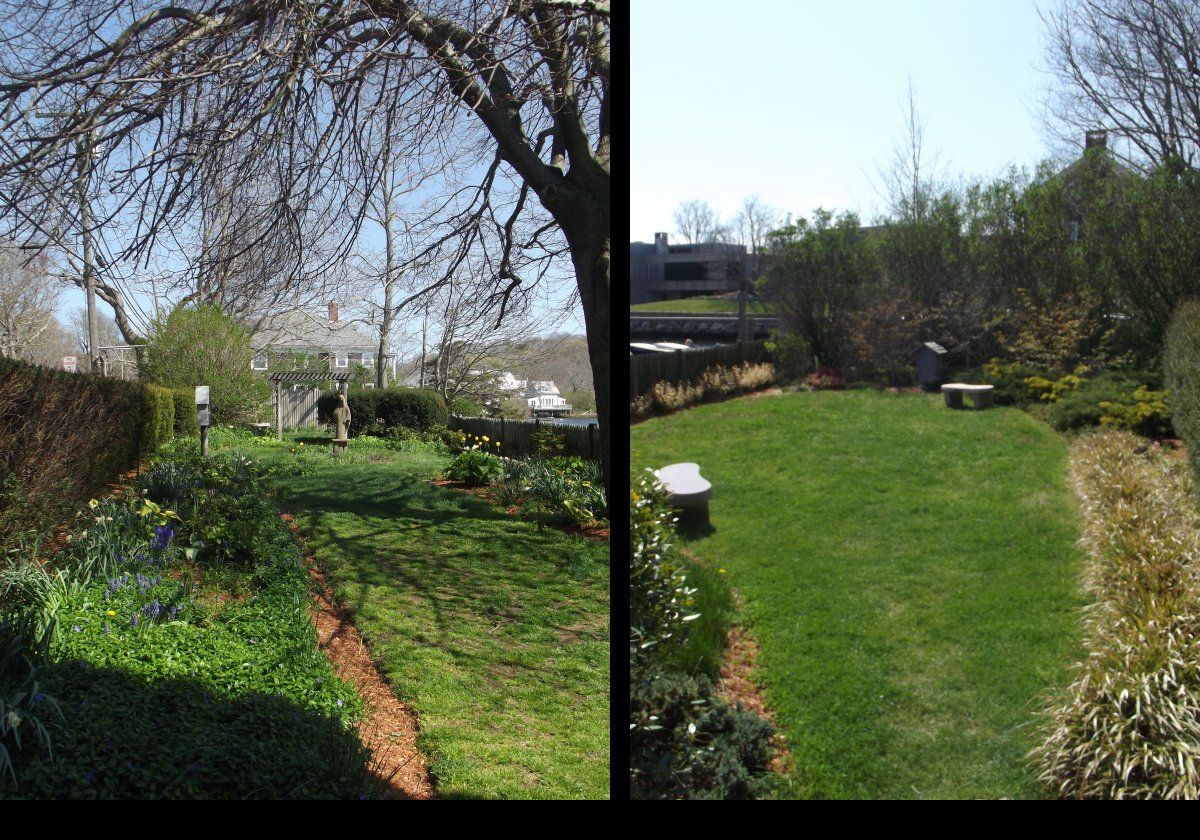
<point x="908" y="182"/>
<point x="28" y="295"/>
<point x="695" y="221"/>
<point x="1130" y="67"/>
<point x="753" y="222"/>
<point x="107" y="333"/>
<point x="166" y="89"/>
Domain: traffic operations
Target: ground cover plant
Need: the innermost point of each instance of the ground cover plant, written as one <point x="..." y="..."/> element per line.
<point x="1127" y="727"/>
<point x="179" y="659"/>
<point x="493" y="628"/>
<point x="716" y="381"/>
<point x="908" y="571"/>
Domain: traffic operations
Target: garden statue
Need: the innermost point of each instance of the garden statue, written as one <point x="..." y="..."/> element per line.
<point x="341" y="416"/>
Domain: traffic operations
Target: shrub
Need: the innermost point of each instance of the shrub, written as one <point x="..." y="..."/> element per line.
<point x="1011" y="382"/>
<point x="1128" y="725"/>
<point x="186" y="424"/>
<point x="1082" y="408"/>
<point x="1145" y="413"/>
<point x="685" y="743"/>
<point x="826" y="379"/>
<point x="791" y="355"/>
<point x="548" y="443"/>
<point x="379" y="409"/>
<point x="158" y="419"/>
<point x="202" y="346"/>
<point x="62" y="435"/>
<point x="715" y="381"/>
<point x="1181" y="365"/>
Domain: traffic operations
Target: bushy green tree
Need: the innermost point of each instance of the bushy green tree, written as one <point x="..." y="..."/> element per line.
<point x="817" y="279"/>
<point x="202" y="346"/>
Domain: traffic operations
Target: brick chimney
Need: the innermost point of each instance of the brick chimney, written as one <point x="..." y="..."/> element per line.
<point x="660" y="243"/>
<point x="333" y="313"/>
<point x="1099" y="138"/>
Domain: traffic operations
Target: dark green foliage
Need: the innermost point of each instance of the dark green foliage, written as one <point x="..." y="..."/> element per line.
<point x="465" y="407"/>
<point x="376" y="409"/>
<point x="659" y="597"/>
<point x="1181" y="365"/>
<point x="158" y="419"/>
<point x="186" y="424"/>
<point x="687" y="744"/>
<point x="204" y="347"/>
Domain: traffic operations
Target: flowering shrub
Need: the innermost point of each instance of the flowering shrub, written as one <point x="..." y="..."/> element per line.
<point x="825" y="379"/>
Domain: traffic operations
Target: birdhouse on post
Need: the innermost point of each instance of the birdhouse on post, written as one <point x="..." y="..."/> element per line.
<point x="203" y="418"/>
<point x="931" y="365"/>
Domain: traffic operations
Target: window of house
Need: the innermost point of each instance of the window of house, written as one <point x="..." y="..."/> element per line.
<point x="260" y="361"/>
<point x="341" y="361"/>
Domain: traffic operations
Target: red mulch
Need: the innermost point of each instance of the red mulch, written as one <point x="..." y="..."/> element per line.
<point x="737" y="686"/>
<point x="390" y="729"/>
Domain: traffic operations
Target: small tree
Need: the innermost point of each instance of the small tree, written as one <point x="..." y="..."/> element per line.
<point x="202" y="346"/>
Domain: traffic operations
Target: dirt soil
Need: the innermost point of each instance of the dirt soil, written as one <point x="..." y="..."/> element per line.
<point x="737" y="686"/>
<point x="390" y="729"/>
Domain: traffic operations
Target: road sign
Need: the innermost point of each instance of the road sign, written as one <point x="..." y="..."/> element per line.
<point x="69" y="363"/>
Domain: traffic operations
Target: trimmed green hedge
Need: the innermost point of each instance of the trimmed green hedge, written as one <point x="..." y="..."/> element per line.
<point x="412" y="408"/>
<point x="1181" y="365"/>
<point x="185" y="413"/>
<point x="64" y="435"/>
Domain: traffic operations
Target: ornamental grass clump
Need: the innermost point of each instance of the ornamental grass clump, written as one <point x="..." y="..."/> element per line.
<point x="1128" y="727"/>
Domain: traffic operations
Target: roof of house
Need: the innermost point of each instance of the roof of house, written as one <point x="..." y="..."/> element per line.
<point x="298" y="330"/>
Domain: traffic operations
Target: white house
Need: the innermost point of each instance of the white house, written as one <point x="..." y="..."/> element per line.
<point x="543" y="399"/>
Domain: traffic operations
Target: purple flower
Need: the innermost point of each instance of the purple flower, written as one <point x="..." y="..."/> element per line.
<point x="339" y="704"/>
<point x="39" y="697"/>
<point x="106" y="630"/>
<point x="133" y="620"/>
<point x="78" y="629"/>
<point x="162" y="537"/>
<point x="91" y="777"/>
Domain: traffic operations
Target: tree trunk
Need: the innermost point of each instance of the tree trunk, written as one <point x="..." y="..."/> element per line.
<point x="385" y="327"/>
<point x="591" y="253"/>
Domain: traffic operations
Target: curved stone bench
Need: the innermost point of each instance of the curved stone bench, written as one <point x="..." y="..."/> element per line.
<point x="981" y="395"/>
<point x="686" y="489"/>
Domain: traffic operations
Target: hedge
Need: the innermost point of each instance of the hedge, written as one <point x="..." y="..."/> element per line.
<point x="186" y="424"/>
<point x="1181" y="366"/>
<point x="64" y="435"/>
<point x="412" y="408"/>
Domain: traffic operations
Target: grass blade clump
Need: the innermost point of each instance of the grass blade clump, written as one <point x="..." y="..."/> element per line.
<point x="1128" y="727"/>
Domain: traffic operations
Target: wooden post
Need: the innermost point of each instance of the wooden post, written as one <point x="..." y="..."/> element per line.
<point x="592" y="441"/>
<point x="278" y="412"/>
<point x="204" y="441"/>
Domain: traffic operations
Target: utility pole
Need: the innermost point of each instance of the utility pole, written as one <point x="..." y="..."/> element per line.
<point x="83" y="151"/>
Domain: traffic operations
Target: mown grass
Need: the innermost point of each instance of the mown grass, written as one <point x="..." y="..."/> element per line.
<point x="909" y="571"/>
<point x="493" y="629"/>
<point x="705" y="305"/>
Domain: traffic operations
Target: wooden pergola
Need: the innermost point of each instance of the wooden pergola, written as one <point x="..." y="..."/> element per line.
<point x="302" y="377"/>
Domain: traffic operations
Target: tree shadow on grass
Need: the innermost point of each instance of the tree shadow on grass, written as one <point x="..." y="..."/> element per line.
<point x="122" y="737"/>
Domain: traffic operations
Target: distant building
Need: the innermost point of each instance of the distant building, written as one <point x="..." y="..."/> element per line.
<point x="544" y="400"/>
<point x="661" y="271"/>
<point x="341" y="343"/>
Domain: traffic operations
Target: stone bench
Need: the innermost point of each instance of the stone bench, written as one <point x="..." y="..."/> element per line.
<point x="981" y="395"/>
<point x="686" y="490"/>
<point x="261" y="428"/>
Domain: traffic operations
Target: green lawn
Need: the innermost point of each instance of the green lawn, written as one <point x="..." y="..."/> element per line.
<point x="909" y="571"/>
<point x="706" y="305"/>
<point x="494" y="630"/>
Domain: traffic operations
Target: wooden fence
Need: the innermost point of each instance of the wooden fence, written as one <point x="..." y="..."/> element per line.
<point x="683" y="365"/>
<point x="299" y="406"/>
<point x="515" y="436"/>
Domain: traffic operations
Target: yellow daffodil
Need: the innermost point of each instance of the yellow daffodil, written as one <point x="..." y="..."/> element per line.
<point x="109" y="612"/>
<point x="720" y="571"/>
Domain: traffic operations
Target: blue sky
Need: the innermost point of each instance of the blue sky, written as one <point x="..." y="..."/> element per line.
<point x="801" y="102"/>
